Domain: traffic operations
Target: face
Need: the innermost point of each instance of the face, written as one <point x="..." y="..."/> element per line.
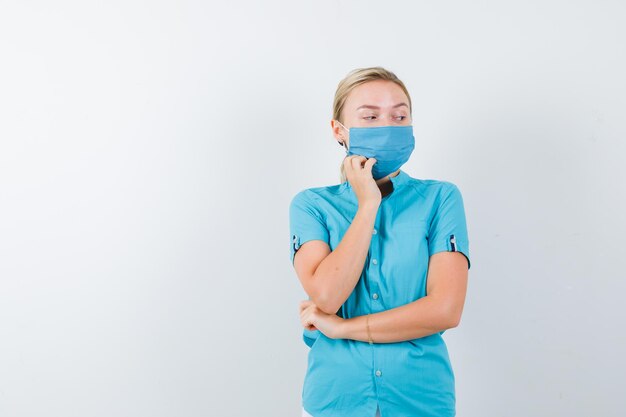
<point x="375" y="103"/>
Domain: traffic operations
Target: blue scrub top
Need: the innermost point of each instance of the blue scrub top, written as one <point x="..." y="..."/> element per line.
<point x="350" y="378"/>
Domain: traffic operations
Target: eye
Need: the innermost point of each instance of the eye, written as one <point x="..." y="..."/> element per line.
<point x="402" y="117"/>
<point x="368" y="117"/>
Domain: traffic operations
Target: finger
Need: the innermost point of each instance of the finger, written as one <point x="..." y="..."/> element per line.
<point x="305" y="319"/>
<point x="357" y="161"/>
<point x="305" y="311"/>
<point x="346" y="164"/>
<point x="309" y="326"/>
<point x="369" y="164"/>
<point x="348" y="159"/>
<point x="304" y="304"/>
<point x="308" y="309"/>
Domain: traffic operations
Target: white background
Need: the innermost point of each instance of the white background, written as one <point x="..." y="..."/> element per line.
<point x="149" y="151"/>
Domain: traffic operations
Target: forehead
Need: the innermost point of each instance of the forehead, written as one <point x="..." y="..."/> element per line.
<point x="381" y="93"/>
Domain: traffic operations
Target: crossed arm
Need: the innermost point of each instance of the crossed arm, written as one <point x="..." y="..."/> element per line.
<point x="439" y="310"/>
<point x="329" y="278"/>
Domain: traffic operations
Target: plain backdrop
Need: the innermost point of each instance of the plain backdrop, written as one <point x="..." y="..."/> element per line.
<point x="149" y="151"/>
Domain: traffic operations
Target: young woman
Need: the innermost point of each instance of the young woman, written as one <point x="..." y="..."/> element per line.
<point x="384" y="258"/>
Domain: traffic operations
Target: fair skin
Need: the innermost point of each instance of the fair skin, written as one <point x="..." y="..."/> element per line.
<point x="329" y="277"/>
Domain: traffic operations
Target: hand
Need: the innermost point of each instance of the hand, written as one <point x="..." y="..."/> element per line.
<point x="359" y="174"/>
<point x="313" y="318"/>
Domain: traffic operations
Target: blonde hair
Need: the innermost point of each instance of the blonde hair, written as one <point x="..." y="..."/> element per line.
<point x="355" y="78"/>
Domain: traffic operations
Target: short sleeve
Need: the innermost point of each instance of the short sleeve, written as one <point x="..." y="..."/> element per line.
<point x="448" y="228"/>
<point x="306" y="222"/>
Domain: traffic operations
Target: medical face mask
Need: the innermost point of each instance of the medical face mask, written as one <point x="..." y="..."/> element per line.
<point x="390" y="145"/>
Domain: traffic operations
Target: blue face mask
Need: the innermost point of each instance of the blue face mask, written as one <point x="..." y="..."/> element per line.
<point x="390" y="145"/>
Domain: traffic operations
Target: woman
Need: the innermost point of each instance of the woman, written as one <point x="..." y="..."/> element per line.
<point x="384" y="258"/>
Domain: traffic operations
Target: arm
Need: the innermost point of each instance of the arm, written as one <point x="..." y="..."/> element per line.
<point x="439" y="310"/>
<point x="330" y="277"/>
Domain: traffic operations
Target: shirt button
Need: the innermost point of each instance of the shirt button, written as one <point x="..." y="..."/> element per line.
<point x="374" y="261"/>
<point x="374" y="232"/>
<point x="375" y="296"/>
<point x="378" y="373"/>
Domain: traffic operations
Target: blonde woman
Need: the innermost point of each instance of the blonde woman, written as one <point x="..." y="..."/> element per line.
<point x="384" y="258"/>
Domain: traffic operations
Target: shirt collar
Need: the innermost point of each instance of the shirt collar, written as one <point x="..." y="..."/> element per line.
<point x="398" y="181"/>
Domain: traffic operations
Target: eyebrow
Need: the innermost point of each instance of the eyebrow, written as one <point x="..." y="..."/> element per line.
<point x="369" y="106"/>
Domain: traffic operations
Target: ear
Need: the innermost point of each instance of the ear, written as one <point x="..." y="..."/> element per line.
<point x="338" y="132"/>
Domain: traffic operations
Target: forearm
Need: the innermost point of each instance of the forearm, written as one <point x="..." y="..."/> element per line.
<point x="419" y="318"/>
<point x="337" y="275"/>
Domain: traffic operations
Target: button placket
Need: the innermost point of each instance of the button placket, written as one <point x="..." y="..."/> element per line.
<point x="374" y="272"/>
<point x="375" y="296"/>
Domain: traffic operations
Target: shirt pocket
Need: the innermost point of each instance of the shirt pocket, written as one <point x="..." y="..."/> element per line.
<point x="405" y="262"/>
<point x="409" y="240"/>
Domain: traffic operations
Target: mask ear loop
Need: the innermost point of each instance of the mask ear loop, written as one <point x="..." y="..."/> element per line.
<point x="343" y="143"/>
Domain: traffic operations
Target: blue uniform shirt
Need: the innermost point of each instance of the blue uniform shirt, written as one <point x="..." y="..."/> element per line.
<point x="350" y="378"/>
